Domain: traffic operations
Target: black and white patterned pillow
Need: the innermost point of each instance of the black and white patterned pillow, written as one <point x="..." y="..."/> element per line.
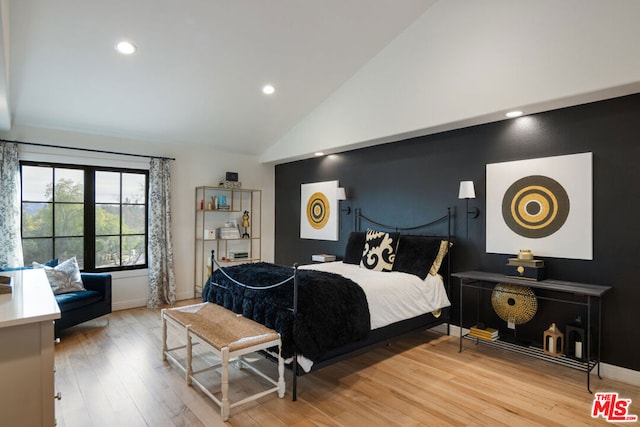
<point x="379" y="250"/>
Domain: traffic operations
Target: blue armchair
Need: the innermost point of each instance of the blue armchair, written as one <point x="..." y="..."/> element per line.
<point x="78" y="307"/>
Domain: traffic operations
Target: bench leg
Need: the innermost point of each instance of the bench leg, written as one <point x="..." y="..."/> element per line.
<point x="225" y="384"/>
<point x="164" y="335"/>
<point x="281" y="387"/>
<point x="189" y="370"/>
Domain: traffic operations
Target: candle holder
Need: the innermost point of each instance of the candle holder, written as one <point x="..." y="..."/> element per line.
<point x="553" y="341"/>
<point x="576" y="340"/>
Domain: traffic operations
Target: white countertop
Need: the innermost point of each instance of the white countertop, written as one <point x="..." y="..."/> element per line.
<point x="31" y="301"/>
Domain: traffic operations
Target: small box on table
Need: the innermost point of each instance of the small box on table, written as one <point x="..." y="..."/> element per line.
<point x="525" y="269"/>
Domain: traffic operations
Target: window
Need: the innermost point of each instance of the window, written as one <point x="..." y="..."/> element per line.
<point x="98" y="215"/>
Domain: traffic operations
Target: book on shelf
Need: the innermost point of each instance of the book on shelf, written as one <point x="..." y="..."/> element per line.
<point x="488" y="334"/>
<point x="6" y="285"/>
<point x="227" y="233"/>
<point x="238" y="255"/>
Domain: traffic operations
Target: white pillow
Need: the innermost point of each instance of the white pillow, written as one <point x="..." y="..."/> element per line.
<point x="65" y="277"/>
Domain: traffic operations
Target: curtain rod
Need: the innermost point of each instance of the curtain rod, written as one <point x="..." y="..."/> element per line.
<point x="88" y="149"/>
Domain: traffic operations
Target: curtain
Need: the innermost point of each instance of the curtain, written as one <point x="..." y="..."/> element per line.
<point x="10" y="238"/>
<point x="162" y="282"/>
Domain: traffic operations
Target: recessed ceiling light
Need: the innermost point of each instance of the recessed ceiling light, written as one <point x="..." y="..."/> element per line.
<point x="318" y="153"/>
<point x="268" y="89"/>
<point x="512" y="114"/>
<point x="125" y="48"/>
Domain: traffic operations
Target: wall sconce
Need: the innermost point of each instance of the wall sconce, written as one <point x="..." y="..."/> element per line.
<point x="342" y="195"/>
<point x="467" y="191"/>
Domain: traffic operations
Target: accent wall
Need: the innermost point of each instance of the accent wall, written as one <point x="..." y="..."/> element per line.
<point x="416" y="180"/>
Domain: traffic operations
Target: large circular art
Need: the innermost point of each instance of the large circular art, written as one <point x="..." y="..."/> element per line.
<point x="535" y="206"/>
<point x="513" y="303"/>
<point x="318" y="210"/>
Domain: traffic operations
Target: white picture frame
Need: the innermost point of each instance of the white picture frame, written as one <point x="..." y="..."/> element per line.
<point x="319" y="211"/>
<point x="544" y="204"/>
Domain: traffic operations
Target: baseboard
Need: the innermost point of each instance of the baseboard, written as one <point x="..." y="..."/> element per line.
<point x="125" y="305"/>
<point x="612" y="372"/>
<point x="617" y="373"/>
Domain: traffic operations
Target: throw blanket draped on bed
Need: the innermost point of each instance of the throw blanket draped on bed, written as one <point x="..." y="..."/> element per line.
<point x="332" y="310"/>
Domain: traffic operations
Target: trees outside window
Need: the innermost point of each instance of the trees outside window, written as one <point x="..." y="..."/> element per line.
<point x="98" y="215"/>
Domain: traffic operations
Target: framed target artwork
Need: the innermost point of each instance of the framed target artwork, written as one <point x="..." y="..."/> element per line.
<point x="544" y="205"/>
<point x="319" y="211"/>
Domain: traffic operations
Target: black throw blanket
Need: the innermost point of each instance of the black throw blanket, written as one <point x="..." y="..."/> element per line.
<point x="332" y="310"/>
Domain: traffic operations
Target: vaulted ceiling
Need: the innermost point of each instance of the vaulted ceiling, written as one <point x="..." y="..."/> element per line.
<point x="199" y="68"/>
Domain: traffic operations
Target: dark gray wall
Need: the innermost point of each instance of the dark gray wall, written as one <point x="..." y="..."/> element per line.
<point x="412" y="181"/>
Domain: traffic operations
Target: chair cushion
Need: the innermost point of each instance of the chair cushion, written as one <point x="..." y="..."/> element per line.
<point x="72" y="300"/>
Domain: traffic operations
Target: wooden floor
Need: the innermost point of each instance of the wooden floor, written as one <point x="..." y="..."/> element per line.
<point x="112" y="374"/>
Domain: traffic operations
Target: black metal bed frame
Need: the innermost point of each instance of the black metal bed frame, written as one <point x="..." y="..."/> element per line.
<point x="381" y="335"/>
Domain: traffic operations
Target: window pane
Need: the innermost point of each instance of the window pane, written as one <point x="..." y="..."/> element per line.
<point x="36" y="183"/>
<point x="38" y="250"/>
<point x="107" y="252"/>
<point x="69" y="185"/>
<point x="133" y="250"/>
<point x="107" y="219"/>
<point x="56" y="204"/>
<point x="70" y="247"/>
<point x="133" y="186"/>
<point x="107" y="187"/>
<point x="37" y="220"/>
<point x="133" y="219"/>
<point x="69" y="219"/>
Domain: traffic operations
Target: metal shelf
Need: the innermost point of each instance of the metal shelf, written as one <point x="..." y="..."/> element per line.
<point x="537" y="353"/>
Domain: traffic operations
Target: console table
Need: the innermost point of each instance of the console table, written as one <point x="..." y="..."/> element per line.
<point x="582" y="294"/>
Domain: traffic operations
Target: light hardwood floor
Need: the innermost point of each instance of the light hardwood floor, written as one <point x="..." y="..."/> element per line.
<point x="113" y="374"/>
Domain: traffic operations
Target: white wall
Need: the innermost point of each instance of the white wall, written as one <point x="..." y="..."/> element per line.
<point x="192" y="167"/>
<point x="468" y="62"/>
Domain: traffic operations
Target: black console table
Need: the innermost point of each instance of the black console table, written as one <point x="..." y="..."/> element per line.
<point x="583" y="294"/>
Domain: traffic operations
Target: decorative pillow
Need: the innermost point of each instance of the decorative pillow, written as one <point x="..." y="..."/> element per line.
<point x="379" y="250"/>
<point x="65" y="277"/>
<point x="50" y="263"/>
<point x="355" y="246"/>
<point x="416" y="254"/>
<point x="444" y="248"/>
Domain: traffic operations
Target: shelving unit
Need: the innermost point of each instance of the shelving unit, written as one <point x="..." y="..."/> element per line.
<point x="581" y="294"/>
<point x="211" y="217"/>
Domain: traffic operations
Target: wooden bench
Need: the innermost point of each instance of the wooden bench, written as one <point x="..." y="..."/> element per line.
<point x="228" y="335"/>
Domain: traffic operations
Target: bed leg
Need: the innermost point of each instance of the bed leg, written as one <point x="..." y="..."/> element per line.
<point x="294" y="369"/>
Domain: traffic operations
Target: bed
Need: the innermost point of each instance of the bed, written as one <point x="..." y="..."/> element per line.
<point x="391" y="281"/>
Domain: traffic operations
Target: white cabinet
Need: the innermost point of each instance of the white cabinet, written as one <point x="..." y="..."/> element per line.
<point x="221" y="216"/>
<point x="26" y="351"/>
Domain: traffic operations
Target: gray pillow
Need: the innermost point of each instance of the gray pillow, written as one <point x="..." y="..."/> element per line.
<point x="65" y="277"/>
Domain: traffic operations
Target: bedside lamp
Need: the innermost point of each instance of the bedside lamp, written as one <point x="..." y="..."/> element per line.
<point x="342" y="195"/>
<point x="467" y="191"/>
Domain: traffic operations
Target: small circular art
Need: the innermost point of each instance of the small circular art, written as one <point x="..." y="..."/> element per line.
<point x="512" y="303"/>
<point x="535" y="206"/>
<point x="318" y="210"/>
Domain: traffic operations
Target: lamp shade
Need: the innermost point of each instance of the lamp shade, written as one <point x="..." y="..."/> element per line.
<point x="467" y="191"/>
<point x="341" y="194"/>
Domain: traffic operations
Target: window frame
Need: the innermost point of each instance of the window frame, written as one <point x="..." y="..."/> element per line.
<point x="89" y="235"/>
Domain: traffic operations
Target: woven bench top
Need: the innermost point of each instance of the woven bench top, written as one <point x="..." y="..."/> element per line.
<point x="220" y="327"/>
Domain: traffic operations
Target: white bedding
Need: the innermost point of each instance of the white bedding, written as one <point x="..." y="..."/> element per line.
<point x="392" y="296"/>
